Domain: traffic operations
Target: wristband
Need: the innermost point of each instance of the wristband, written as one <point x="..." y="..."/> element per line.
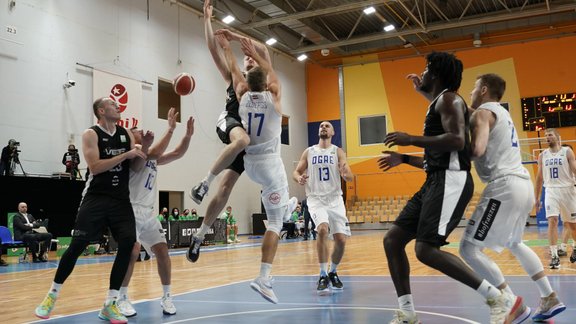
<point x="405" y="158"/>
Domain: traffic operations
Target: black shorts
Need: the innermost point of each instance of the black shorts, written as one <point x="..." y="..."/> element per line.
<point x="223" y="129"/>
<point x="437" y="208"/>
<point x="98" y="212"/>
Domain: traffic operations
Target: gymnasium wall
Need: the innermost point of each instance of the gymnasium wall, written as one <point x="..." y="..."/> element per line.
<point x="530" y="69"/>
<point x="133" y="40"/>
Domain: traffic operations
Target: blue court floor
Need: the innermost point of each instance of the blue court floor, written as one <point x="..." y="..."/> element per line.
<point x="365" y="299"/>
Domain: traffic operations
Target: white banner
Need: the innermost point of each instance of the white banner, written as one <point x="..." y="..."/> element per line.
<point x="126" y="92"/>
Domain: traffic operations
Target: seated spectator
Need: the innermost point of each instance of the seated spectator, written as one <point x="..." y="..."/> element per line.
<point x="163" y="216"/>
<point x="194" y="215"/>
<point x="230" y="224"/>
<point x="185" y="214"/>
<point x="28" y="230"/>
<point x="174" y="214"/>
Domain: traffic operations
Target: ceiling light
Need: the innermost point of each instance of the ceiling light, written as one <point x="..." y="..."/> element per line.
<point x="388" y="28"/>
<point x="302" y="57"/>
<point x="369" y="10"/>
<point x="271" y="41"/>
<point x="228" y="19"/>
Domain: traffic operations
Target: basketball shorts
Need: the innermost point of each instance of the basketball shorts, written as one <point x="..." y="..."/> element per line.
<point x="98" y="212"/>
<point x="330" y="210"/>
<point x="226" y="122"/>
<point x="149" y="231"/>
<point x="437" y="208"/>
<point x="500" y="216"/>
<point x="561" y="201"/>
<point x="268" y="171"/>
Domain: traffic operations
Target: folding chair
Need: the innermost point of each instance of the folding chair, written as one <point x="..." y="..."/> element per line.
<point x="8" y="242"/>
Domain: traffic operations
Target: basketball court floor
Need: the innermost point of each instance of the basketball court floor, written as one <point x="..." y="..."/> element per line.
<point x="216" y="288"/>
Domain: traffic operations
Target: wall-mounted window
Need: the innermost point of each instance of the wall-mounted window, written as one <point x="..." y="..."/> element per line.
<point x="167" y="98"/>
<point x="372" y="129"/>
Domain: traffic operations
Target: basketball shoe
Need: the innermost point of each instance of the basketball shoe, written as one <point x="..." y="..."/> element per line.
<point x="43" y="310"/>
<point x="402" y="317"/>
<point x="323" y="287"/>
<point x="197" y="193"/>
<point x="168" y="307"/>
<point x="335" y="281"/>
<point x="110" y="312"/>
<point x="549" y="307"/>
<point x="125" y="307"/>
<point x="555" y="263"/>
<point x="263" y="286"/>
<point x="194" y="249"/>
<point x="503" y="308"/>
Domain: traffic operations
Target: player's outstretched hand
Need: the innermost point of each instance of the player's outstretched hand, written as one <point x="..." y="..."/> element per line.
<point x="388" y="160"/>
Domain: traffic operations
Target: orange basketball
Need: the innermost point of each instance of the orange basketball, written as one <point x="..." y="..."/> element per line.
<point x="183" y="84"/>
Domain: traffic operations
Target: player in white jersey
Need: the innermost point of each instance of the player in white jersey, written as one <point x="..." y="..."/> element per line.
<point x="499" y="219"/>
<point x="320" y="169"/>
<point x="556" y="170"/>
<point x="149" y="231"/>
<point x="261" y="112"/>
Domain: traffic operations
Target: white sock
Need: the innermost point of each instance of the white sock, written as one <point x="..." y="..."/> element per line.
<point x="487" y="290"/>
<point x="554" y="250"/>
<point x="203" y="231"/>
<point x="123" y="293"/>
<point x="112" y="296"/>
<point x="209" y="178"/>
<point x="563" y="246"/>
<point x="166" y="289"/>
<point x="333" y="266"/>
<point x="544" y="287"/>
<point x="55" y="289"/>
<point x="265" y="269"/>
<point x="406" y="303"/>
<point x="324" y="269"/>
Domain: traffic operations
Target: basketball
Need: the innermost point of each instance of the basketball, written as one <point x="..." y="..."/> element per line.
<point x="183" y="84"/>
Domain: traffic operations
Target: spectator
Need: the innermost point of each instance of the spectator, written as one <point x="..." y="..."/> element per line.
<point x="230" y="225"/>
<point x="174" y="214"/>
<point x="7" y="156"/>
<point x="27" y="229"/>
<point x="71" y="160"/>
<point x="163" y="216"/>
<point x="194" y="215"/>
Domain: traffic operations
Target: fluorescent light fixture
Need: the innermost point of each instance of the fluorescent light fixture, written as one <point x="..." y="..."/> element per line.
<point x="228" y="19"/>
<point x="302" y="57"/>
<point x="271" y="41"/>
<point x="369" y="10"/>
<point x="389" y="28"/>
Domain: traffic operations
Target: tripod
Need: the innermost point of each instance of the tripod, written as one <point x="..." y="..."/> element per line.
<point x="16" y="161"/>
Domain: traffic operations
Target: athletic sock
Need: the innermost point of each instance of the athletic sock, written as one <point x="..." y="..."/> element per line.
<point x="323" y="269"/>
<point x="166" y="289"/>
<point x="487" y="290"/>
<point x="209" y="178"/>
<point x="406" y="303"/>
<point x="265" y="270"/>
<point x="55" y="289"/>
<point x="333" y="266"/>
<point x="203" y="231"/>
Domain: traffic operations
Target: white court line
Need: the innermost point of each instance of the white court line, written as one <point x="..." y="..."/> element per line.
<point x="464" y="320"/>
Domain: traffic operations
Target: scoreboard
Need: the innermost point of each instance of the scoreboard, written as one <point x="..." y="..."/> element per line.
<point x="551" y="111"/>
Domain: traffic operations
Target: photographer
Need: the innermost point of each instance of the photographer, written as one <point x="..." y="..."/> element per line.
<point x="71" y="160"/>
<point x="9" y="154"/>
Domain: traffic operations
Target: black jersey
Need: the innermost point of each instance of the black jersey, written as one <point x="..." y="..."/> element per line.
<point x="435" y="160"/>
<point x="232" y="104"/>
<point x="113" y="182"/>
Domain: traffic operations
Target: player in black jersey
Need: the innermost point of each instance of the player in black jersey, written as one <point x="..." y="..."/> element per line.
<point x="229" y="127"/>
<point x="109" y="151"/>
<point x="437" y="208"/>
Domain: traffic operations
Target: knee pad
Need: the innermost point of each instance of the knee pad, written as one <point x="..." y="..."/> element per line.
<point x="275" y="225"/>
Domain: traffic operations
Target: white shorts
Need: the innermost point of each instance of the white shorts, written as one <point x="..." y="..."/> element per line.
<point x="149" y="231"/>
<point x="501" y="214"/>
<point x="331" y="211"/>
<point x="561" y="201"/>
<point x="268" y="171"/>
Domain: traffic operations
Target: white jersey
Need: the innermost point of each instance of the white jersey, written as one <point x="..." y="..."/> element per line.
<point x="262" y="121"/>
<point x="556" y="169"/>
<point x="143" y="185"/>
<point x="502" y="156"/>
<point x="323" y="172"/>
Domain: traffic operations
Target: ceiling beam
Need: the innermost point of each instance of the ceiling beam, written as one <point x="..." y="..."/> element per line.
<point x="317" y="12"/>
<point x="471" y="21"/>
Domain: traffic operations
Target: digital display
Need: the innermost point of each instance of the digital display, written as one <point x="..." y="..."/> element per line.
<point x="551" y="111"/>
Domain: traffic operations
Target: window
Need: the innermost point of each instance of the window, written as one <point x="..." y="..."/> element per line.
<point x="167" y="98"/>
<point x="372" y="129"/>
<point x="285" y="136"/>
